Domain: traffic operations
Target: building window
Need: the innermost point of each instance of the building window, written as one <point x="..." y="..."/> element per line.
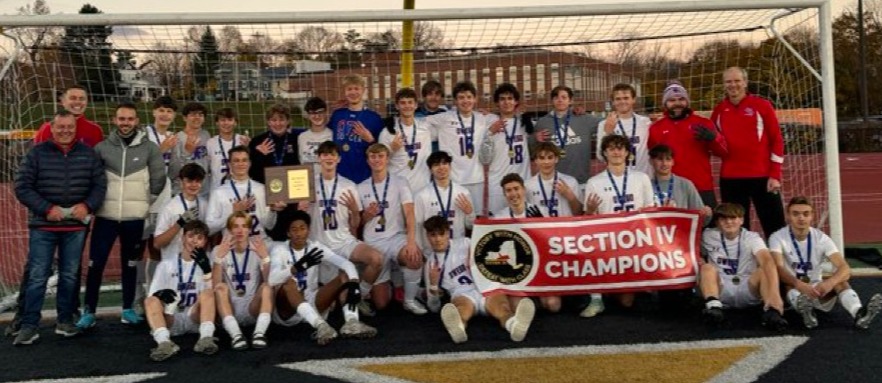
<point x="540" y="81"/>
<point x="387" y="85"/>
<point x="513" y="75"/>
<point x="555" y="74"/>
<point x="500" y="76"/>
<point x="460" y="75"/>
<point x="473" y="75"/>
<point x="526" y="85"/>
<point x="485" y="83"/>
<point x="448" y="82"/>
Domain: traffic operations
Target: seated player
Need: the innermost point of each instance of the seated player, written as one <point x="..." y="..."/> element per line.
<point x="181" y="298"/>
<point x="242" y="293"/>
<point x="799" y="249"/>
<point x="739" y="271"/>
<point x="306" y="277"/>
<point x="448" y="272"/>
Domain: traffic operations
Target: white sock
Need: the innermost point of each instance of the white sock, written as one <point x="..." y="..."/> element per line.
<point x="597" y="298"/>
<point x="365" y="288"/>
<point x="792" y="295"/>
<point x="850" y="301"/>
<point x="411" y="283"/>
<point x="206" y="329"/>
<point x="231" y="326"/>
<point x="263" y="322"/>
<point x="161" y="335"/>
<point x="308" y="313"/>
<point x="348" y="314"/>
<point x="509" y="324"/>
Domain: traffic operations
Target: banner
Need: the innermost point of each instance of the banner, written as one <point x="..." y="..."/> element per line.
<point x="651" y="250"/>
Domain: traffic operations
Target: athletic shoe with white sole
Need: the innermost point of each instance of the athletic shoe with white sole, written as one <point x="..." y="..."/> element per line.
<point x="595" y="307"/>
<point x="207" y="345"/>
<point x="357" y="329"/>
<point x="164" y="351"/>
<point x="414" y="307"/>
<point x="324" y="333"/>
<point x="27" y="335"/>
<point x="258" y="340"/>
<point x="523" y="317"/>
<point x="453" y="323"/>
<point x="806" y="309"/>
<point x="239" y="343"/>
<point x="866" y="314"/>
<point x="67" y="330"/>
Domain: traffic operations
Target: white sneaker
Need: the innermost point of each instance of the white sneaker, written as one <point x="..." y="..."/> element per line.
<point x="523" y="317"/>
<point x="324" y="333"/>
<point x="415" y="307"/>
<point x="357" y="329"/>
<point x="453" y="323"/>
<point x="806" y="309"/>
<point x="594" y="308"/>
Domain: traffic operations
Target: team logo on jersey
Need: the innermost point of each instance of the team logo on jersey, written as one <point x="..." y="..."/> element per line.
<point x="504" y="256"/>
<point x="748" y="111"/>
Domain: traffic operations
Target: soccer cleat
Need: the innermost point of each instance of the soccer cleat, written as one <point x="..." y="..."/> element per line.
<point x="129" y="316"/>
<point x="67" y="330"/>
<point x="27" y="335"/>
<point x="773" y="320"/>
<point x="523" y="317"/>
<point x="713" y="315"/>
<point x="324" y="333"/>
<point x="355" y="328"/>
<point x="865" y="315"/>
<point x="207" y="345"/>
<point x="453" y="323"/>
<point x="164" y="351"/>
<point x="414" y="307"/>
<point x="594" y="308"/>
<point x="87" y="320"/>
<point x="239" y="343"/>
<point x="258" y="340"/>
<point x="806" y="309"/>
<point x="365" y="308"/>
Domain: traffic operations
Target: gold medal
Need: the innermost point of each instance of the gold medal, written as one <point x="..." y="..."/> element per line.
<point x="346" y="147"/>
<point x="382" y="221"/>
<point x="736" y="280"/>
<point x="410" y="164"/>
<point x="470" y="153"/>
<point x="563" y="153"/>
<point x="327" y="218"/>
<point x="805" y="278"/>
<point x="240" y="292"/>
<point x="511" y="153"/>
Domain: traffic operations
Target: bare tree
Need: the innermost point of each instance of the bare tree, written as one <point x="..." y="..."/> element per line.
<point x="230" y="39"/>
<point x="316" y="43"/>
<point x="34" y="39"/>
<point x="169" y="65"/>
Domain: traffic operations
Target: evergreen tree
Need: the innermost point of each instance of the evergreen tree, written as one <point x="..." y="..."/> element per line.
<point x="207" y="60"/>
<point x="89" y="51"/>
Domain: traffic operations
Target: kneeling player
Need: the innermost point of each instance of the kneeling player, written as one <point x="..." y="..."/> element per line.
<point x="181" y="298"/>
<point x="240" y="282"/>
<point x="449" y="271"/>
<point x="739" y="271"/>
<point x="799" y="249"/>
<point x="302" y="291"/>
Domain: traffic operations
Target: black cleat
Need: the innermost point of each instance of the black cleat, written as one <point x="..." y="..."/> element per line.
<point x="773" y="320"/>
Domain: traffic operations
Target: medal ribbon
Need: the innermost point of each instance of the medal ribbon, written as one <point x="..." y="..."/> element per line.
<point x="549" y="203"/>
<point x="621" y="198"/>
<point x="377" y="195"/>
<point x="469" y="134"/>
<point x="805" y="264"/>
<point x="663" y="198"/>
<point x="561" y="137"/>
<point x="181" y="286"/>
<point x="444" y="208"/>
<point x="239" y="276"/>
<point x="733" y="267"/>
<point x="325" y="201"/>
<point x="236" y="191"/>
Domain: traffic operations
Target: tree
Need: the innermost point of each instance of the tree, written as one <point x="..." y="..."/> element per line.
<point x="89" y="53"/>
<point x="35" y="39"/>
<point x="125" y="59"/>
<point x="170" y="66"/>
<point x="316" y="43"/>
<point x="207" y="60"/>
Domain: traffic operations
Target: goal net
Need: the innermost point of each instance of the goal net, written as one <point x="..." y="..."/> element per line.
<point x="249" y="62"/>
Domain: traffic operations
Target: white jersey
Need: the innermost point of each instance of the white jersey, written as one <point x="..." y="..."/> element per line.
<point x="456" y="277"/>
<point x="410" y="160"/>
<point x="822" y="248"/>
<point x="542" y="192"/>
<point x="511" y="153"/>
<point x="241" y="270"/>
<point x="220" y="207"/>
<point x="282" y="257"/>
<point x="184" y="277"/>
<point x="460" y="136"/>
<point x="630" y="191"/>
<point x="427" y="203"/>
<point x="308" y="142"/>
<point x="732" y="257"/>
<point x="168" y="217"/>
<point x="636" y="130"/>
<point x="156" y="137"/>
<point x="391" y="196"/>
<point x="330" y="219"/>
<point x="218" y="156"/>
<point x="507" y="213"/>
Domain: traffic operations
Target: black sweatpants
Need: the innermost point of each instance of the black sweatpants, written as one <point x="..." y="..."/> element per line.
<point x="743" y="191"/>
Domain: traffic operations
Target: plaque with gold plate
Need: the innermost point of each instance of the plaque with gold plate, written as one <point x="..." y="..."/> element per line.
<point x="289" y="184"/>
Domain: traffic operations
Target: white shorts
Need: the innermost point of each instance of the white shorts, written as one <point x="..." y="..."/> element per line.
<point x="183" y="324"/>
<point x="240" y="309"/>
<point x="346" y="249"/>
<point x="737" y="295"/>
<point x="389" y="247"/>
<point x="473" y="295"/>
<point x="477" y="192"/>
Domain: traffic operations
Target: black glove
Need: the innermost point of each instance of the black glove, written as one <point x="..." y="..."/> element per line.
<point x="353" y="294"/>
<point x="201" y="257"/>
<point x="389" y="124"/>
<point x="311" y="258"/>
<point x="533" y="211"/>
<point x="703" y="133"/>
<point x="167" y="296"/>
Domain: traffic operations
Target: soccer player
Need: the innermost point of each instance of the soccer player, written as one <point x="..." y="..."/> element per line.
<point x="220" y="145"/>
<point x="739" y="271"/>
<point x="355" y="127"/>
<point x="448" y="272"/>
<point x="243" y="296"/>
<point x="691" y="137"/>
<point x="390" y="227"/>
<point x="136" y="175"/>
<point x="181" y="298"/>
<point x="74" y="100"/>
<point x="560" y="193"/>
<point x="615" y="189"/>
<point x="671" y="190"/>
<point x="191" y="146"/>
<point x="751" y="172"/>
<point x="338" y="205"/>
<point x="460" y="133"/>
<point x="275" y="147"/>
<point x="185" y="207"/>
<point x="799" y="249"/>
<point x="318" y="131"/>
<point x="509" y="133"/>
<point x="409" y="141"/>
<point x="444" y="197"/>
<point x="571" y="133"/>
<point x="625" y="122"/>
<point x="433" y="99"/>
<point x="243" y="194"/>
<point x="164" y="110"/>
<point x="307" y="277"/>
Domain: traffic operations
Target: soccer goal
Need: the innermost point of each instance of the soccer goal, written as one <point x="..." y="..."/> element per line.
<point x="248" y="61"/>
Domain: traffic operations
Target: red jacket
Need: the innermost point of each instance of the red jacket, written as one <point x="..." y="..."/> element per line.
<point x="691" y="156"/>
<point x="88" y="132"/>
<point x="756" y="148"/>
